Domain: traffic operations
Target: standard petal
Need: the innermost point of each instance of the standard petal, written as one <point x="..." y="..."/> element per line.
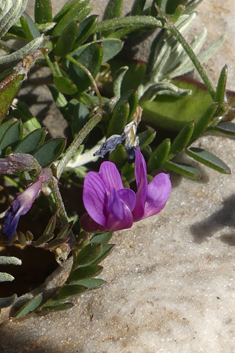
<point x="110" y="176"/>
<point x="95" y="197"/>
<point x="128" y="197"/>
<point x="157" y="195"/>
<point x="142" y="184"/>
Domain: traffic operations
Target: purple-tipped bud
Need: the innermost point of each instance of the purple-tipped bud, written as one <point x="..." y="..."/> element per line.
<point x="22" y="203"/>
<point x="18" y="162"/>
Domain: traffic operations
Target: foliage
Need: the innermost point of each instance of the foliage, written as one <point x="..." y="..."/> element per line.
<point x="103" y="100"/>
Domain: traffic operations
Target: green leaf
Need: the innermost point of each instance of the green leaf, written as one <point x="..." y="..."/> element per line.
<point x="137" y="7"/>
<point x="67" y="39"/>
<point x="91" y="283"/>
<point x="54" y="308"/>
<point x="119" y="156"/>
<point x="77" y="12"/>
<point x="70" y="290"/>
<point x="8" y="301"/>
<point x="172" y="113"/>
<point x="159" y="155"/>
<point x="131" y="22"/>
<point x="49" y="151"/>
<point x="65" y="230"/>
<point x="30" y="306"/>
<point x="110" y="46"/>
<point x="85" y="272"/>
<point x="85" y="29"/>
<point x="221" y="87"/>
<point x="80" y="116"/>
<point x="70" y="4"/>
<point x="43" y="11"/>
<point x="50" y="226"/>
<point x="102" y="238"/>
<point x="146" y="137"/>
<point x="58" y="97"/>
<point x="225" y="128"/>
<point x="11" y="137"/>
<point x="55" y="243"/>
<point x="183" y="169"/>
<point x="113" y="9"/>
<point x="29" y="27"/>
<point x="43" y="239"/>
<point x="182" y="139"/>
<point x="31" y="142"/>
<point x="117" y="81"/>
<point x="208" y="159"/>
<point x="65" y="85"/>
<point x="119" y="119"/>
<point x="9" y="87"/>
<point x="104" y="253"/>
<point x="88" y="255"/>
<point x="4" y="127"/>
<point x="204" y="121"/>
<point x="91" y="59"/>
<point x="23" y="113"/>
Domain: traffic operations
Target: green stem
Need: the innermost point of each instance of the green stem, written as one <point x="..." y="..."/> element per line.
<point x="75" y="62"/>
<point x="77" y="142"/>
<point x="53" y="184"/>
<point x="193" y="57"/>
<point x="53" y="66"/>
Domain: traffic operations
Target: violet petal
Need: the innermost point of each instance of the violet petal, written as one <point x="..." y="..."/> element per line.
<point x="115" y="205"/>
<point x="142" y="185"/>
<point x="128" y="197"/>
<point x="20" y="206"/>
<point x="157" y="195"/>
<point x="115" y="224"/>
<point x="110" y="176"/>
<point x="95" y="197"/>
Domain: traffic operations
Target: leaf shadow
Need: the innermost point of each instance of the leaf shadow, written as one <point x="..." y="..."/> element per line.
<point x="225" y="217"/>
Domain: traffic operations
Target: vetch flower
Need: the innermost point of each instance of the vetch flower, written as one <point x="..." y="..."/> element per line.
<point x="22" y="203"/>
<point x="110" y="206"/>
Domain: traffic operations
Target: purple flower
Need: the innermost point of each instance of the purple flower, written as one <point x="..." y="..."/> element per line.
<point x="22" y="204"/>
<point x="110" y="206"/>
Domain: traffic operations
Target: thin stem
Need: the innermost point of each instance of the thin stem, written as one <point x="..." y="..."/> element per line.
<point x="194" y="58"/>
<point x="53" y="66"/>
<point x="77" y="142"/>
<point x="53" y="184"/>
<point x="49" y="63"/>
<point x="75" y="62"/>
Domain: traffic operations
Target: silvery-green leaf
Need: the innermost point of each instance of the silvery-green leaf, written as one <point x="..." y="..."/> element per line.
<point x="10" y="12"/>
<point x="117" y="82"/>
<point x="212" y="49"/>
<point x="177" y="63"/>
<point x="163" y="88"/>
<point x="10" y="260"/>
<point x="6" y="277"/>
<point x="21" y="53"/>
<point x="206" y="55"/>
<point x="6" y="302"/>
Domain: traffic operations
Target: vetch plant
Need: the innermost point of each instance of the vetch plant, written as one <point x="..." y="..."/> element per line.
<point x="113" y="110"/>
